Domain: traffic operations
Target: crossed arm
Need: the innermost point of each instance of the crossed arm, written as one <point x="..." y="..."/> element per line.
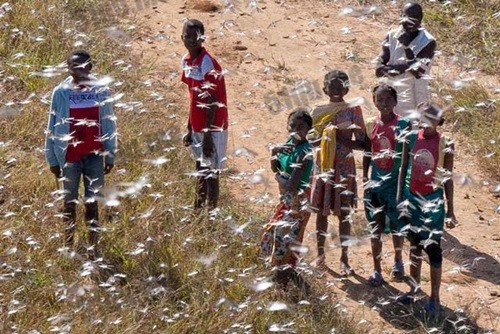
<point x="382" y="69"/>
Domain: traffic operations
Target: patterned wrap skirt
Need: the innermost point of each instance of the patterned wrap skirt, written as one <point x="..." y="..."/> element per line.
<point x="284" y="232"/>
<point x="334" y="190"/>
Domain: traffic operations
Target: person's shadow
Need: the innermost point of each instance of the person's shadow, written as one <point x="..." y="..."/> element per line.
<point x="400" y="316"/>
<point x="470" y="262"/>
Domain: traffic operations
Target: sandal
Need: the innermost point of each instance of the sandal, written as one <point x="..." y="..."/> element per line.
<point x="398" y="271"/>
<point x="346" y="269"/>
<point x="432" y="308"/>
<point x="405" y="298"/>
<point x="376" y="279"/>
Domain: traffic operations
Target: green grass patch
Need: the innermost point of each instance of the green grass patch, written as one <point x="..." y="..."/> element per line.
<point x="475" y="114"/>
<point x="467" y="29"/>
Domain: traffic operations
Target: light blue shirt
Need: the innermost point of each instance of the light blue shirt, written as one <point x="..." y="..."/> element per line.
<point x="58" y="128"/>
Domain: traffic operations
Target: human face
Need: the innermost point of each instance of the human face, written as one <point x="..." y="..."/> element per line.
<point x="79" y="69"/>
<point x="192" y="39"/>
<point x="429" y="120"/>
<point x="384" y="101"/>
<point x="411" y="19"/>
<point x="336" y="88"/>
<point x="297" y="128"/>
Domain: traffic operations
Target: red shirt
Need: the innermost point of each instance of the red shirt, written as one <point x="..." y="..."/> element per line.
<point x="425" y="156"/>
<point x="204" y="79"/>
<point x="383" y="139"/>
<point x="84" y="126"/>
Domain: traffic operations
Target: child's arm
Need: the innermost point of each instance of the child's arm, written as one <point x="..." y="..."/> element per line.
<point x="298" y="169"/>
<point x="275" y="164"/>
<point x="416" y="63"/>
<point x="449" y="187"/>
<point x="286" y="148"/>
<point x="50" y="156"/>
<point x="208" y="144"/>
<point x="382" y="69"/>
<point x="362" y="141"/>
<point x="212" y="85"/>
<point x="108" y="128"/>
<point x="367" y="158"/>
<point x="402" y="172"/>
<point x="187" y="139"/>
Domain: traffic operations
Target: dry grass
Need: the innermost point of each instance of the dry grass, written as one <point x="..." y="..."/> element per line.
<point x="159" y="272"/>
<point x="475" y="114"/>
<point x="467" y="29"/>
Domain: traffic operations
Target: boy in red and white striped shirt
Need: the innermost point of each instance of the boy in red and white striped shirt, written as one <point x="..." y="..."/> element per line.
<point x="208" y="117"/>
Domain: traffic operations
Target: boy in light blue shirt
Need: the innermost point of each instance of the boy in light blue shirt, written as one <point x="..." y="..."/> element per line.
<point x="80" y="141"/>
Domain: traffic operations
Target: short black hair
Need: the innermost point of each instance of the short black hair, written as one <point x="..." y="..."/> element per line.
<point x="384" y="86"/>
<point x="79" y="57"/>
<point x="303" y="115"/>
<point x="194" y="23"/>
<point x="337" y="75"/>
<point x="416" y="8"/>
<point x="426" y="106"/>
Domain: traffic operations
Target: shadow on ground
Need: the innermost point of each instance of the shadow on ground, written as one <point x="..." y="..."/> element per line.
<point x="403" y="317"/>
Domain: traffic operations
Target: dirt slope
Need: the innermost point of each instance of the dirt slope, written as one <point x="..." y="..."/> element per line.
<point x="267" y="51"/>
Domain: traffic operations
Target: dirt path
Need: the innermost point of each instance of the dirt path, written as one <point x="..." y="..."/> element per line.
<point x="267" y="52"/>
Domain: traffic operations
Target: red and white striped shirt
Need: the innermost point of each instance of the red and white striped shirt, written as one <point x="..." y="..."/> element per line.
<point x="204" y="78"/>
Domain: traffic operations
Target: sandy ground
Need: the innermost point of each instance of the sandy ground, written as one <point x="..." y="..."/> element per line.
<point x="268" y="52"/>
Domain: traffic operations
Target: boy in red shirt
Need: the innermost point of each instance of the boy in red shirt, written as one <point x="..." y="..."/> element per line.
<point x="425" y="185"/>
<point x="81" y="141"/>
<point x="208" y="117"/>
<point x="384" y="160"/>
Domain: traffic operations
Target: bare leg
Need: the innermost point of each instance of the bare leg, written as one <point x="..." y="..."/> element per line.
<point x="436" y="284"/>
<point x="376" y="242"/>
<point x="69" y="218"/>
<point x="398" y="269"/>
<point x="321" y="230"/>
<point x="398" y="241"/>
<point x="345" y="233"/>
<point x="415" y="268"/>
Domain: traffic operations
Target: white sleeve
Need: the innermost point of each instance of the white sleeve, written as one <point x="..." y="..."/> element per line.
<point x="207" y="65"/>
